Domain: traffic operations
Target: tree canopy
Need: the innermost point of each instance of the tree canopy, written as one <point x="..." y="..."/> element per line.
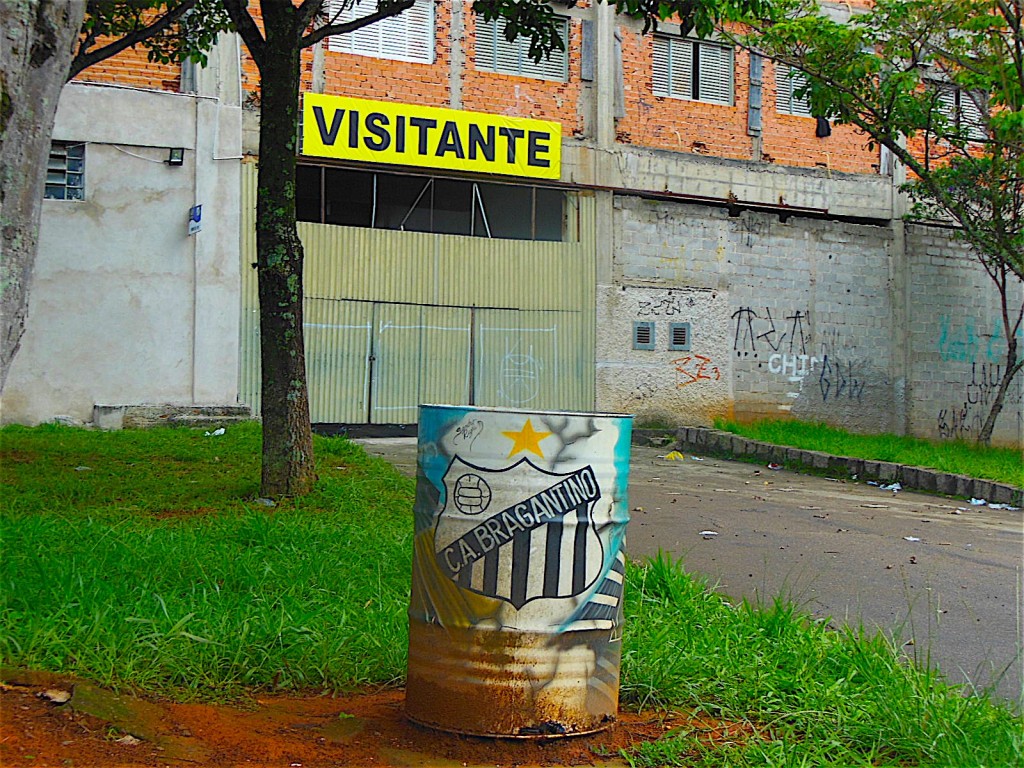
<point x="940" y="85"/>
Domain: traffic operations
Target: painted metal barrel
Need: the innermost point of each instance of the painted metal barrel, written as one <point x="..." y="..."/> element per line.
<point x="515" y="617"/>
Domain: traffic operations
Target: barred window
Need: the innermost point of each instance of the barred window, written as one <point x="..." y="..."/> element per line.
<point x="496" y="54"/>
<point x="65" y="171"/>
<point x="409" y="36"/>
<point x="693" y="70"/>
<point x="788" y="82"/>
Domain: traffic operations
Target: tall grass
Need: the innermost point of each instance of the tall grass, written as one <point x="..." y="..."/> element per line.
<point x="813" y="695"/>
<point x="1005" y="465"/>
<point x="157" y="568"/>
<point x="144" y="561"/>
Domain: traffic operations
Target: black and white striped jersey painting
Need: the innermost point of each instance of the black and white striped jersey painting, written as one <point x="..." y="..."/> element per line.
<point x="523" y="533"/>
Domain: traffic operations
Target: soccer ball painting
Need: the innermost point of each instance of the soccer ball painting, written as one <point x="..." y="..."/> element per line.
<point x="472" y="494"/>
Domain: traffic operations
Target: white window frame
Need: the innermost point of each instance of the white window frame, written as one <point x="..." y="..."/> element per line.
<point x="677" y="58"/>
<point x="65" y="171"/>
<point x="789" y="80"/>
<point x="409" y="36"/>
<point x="496" y="54"/>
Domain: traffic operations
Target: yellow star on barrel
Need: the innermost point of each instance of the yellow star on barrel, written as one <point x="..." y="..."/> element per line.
<point x="526" y="439"/>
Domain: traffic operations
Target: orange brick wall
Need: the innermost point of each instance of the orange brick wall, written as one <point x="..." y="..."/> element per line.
<point x="251" y="75"/>
<point x="132" y="68"/>
<point x="790" y="140"/>
<point x="650" y="121"/>
<point x="677" y="124"/>
<point x="524" y="96"/>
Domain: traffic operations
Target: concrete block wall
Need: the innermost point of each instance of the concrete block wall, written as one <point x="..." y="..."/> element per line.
<point x="958" y="342"/>
<point x="822" y="320"/>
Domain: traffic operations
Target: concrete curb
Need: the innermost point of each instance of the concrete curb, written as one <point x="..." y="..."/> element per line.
<point x="726" y="445"/>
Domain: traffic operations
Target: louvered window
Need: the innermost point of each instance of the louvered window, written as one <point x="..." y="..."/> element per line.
<point x="788" y="82"/>
<point x="496" y="54"/>
<point x="65" y="172"/>
<point x="963" y="110"/>
<point x="409" y="36"/>
<point x="688" y="69"/>
<point x="643" y="335"/>
<point x="679" y="336"/>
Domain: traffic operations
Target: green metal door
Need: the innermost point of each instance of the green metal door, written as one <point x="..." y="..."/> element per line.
<point x="419" y="354"/>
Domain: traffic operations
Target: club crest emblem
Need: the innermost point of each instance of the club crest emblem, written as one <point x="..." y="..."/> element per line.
<point x="519" y="533"/>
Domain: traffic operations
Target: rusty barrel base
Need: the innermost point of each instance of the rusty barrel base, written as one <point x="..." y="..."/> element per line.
<point x="512" y="684"/>
<point x="523" y="736"/>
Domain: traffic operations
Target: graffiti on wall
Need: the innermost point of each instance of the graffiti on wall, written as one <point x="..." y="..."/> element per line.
<point x="665" y="306"/>
<point x="694" y="368"/>
<point x="982" y="344"/>
<point x="520" y="375"/>
<point x="750" y="228"/>
<point x="757" y="332"/>
<point x="958" y="423"/>
<point x="842" y="374"/>
<point x="840" y="380"/>
<point x="965" y="341"/>
<point x="965" y="420"/>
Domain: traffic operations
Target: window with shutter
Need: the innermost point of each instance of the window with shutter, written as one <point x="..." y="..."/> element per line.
<point x="715" y="64"/>
<point x="496" y="54"/>
<point x="972" y="117"/>
<point x="696" y="71"/>
<point x="963" y="110"/>
<point x="409" y="36"/>
<point x="788" y="82"/>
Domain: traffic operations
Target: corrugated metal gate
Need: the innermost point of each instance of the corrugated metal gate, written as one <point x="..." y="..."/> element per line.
<point x="394" y="319"/>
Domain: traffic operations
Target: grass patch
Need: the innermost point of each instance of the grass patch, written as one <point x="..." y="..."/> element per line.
<point x="156" y="569"/>
<point x="144" y="560"/>
<point x="814" y="696"/>
<point x="956" y="456"/>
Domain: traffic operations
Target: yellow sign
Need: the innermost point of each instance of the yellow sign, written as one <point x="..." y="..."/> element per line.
<point x="429" y="137"/>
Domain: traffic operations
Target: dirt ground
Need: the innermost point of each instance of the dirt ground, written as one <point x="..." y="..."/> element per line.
<point x="95" y="728"/>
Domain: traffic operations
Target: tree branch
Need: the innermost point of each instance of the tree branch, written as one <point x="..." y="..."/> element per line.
<point x="245" y="26"/>
<point x="84" y="59"/>
<point x="350" y="26"/>
<point x="308" y="10"/>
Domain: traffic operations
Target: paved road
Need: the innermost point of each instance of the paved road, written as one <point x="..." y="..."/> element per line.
<point x="837" y="549"/>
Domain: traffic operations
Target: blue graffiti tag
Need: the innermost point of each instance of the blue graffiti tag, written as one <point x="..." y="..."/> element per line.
<point x="964" y="343"/>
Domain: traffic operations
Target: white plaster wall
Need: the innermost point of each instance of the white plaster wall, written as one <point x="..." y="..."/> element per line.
<point x="126" y="307"/>
<point x="691" y="386"/>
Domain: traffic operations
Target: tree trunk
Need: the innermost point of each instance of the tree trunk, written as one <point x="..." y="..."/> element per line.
<point x="1013" y="366"/>
<point x="36" y="39"/>
<point x="288" y="466"/>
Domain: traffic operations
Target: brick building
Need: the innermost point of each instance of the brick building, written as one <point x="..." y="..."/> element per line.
<point x="705" y="248"/>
